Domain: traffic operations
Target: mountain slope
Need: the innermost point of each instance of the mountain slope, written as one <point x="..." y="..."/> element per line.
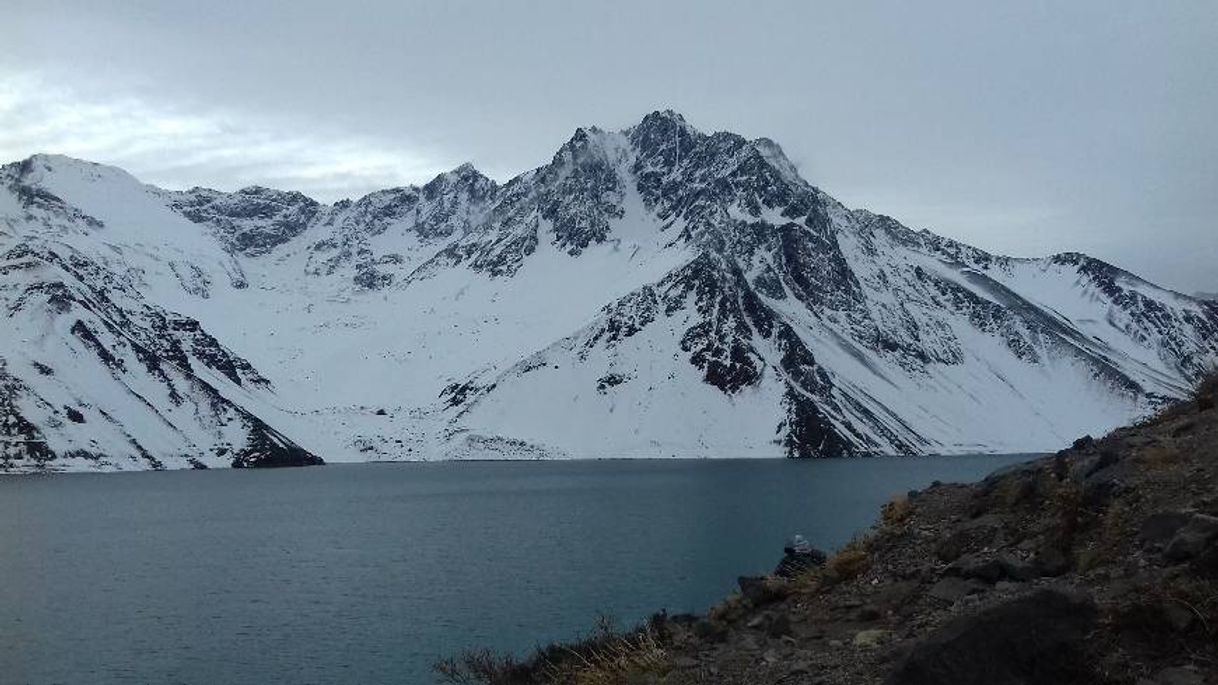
<point x="651" y="292"/>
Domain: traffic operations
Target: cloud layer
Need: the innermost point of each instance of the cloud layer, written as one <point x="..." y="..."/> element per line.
<point x="1026" y="129"/>
<point x="173" y="148"/>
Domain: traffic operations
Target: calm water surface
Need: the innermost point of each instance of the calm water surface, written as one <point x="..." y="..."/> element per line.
<point x="368" y="573"/>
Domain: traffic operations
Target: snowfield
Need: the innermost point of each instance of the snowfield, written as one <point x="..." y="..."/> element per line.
<point x="653" y="292"/>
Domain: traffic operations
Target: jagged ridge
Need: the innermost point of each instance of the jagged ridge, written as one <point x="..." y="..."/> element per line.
<point x="735" y="309"/>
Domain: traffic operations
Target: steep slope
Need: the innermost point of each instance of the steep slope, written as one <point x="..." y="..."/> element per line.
<point x="656" y="291"/>
<point x="93" y="376"/>
<point x="846" y="331"/>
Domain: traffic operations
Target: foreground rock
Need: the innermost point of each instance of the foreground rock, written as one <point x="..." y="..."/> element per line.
<point x="1038" y="637"/>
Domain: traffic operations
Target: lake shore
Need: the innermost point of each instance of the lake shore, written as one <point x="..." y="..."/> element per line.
<point x="1098" y="564"/>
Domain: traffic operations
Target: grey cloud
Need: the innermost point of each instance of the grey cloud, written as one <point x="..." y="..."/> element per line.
<point x="1025" y="129"/>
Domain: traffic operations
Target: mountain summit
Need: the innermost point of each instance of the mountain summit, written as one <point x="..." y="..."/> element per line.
<point x="656" y="291"/>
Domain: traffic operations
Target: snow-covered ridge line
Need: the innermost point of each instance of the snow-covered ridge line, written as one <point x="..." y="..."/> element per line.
<point x="655" y="291"/>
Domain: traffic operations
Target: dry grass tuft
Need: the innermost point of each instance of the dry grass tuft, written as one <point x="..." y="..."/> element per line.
<point x="896" y="511"/>
<point x="1159" y="457"/>
<point x="1112" y="537"/>
<point x="1205" y="395"/>
<point x="606" y="657"/>
<point x="482" y="666"/>
<point x="848" y="563"/>
<point x="1066" y="505"/>
<point x="612" y="662"/>
<point x="729" y="610"/>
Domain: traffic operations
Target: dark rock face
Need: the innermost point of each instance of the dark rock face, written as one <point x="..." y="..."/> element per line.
<point x="1193" y="538"/>
<point x="757" y="590"/>
<point x="1159" y="528"/>
<point x="267" y="448"/>
<point x="252" y="221"/>
<point x="994" y="569"/>
<point x="583" y="194"/>
<point x="952" y="589"/>
<point x="154" y="358"/>
<point x="1036" y="639"/>
<point x="797" y="561"/>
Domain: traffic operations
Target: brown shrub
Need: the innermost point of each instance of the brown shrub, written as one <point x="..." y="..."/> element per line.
<point x="1066" y="505"/>
<point x="848" y="563"/>
<point x="1159" y="457"/>
<point x="896" y="511"/>
<point x="1110" y="540"/>
<point x="606" y="657"/>
<point x="610" y="663"/>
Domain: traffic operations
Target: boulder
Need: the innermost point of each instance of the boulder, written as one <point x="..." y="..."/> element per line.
<point x="871" y="638"/>
<point x="797" y="560"/>
<point x="1175" y="675"/>
<point x="1158" y="529"/>
<point x="952" y="589"/>
<point x="1018" y="570"/>
<point x="1193" y="539"/>
<point x="993" y="569"/>
<point x="1035" y="639"/>
<point x="1102" y="475"/>
<point x="779" y="626"/>
<point x="711" y="631"/>
<point x="988" y="569"/>
<point x="1051" y="562"/>
<point x="758" y="590"/>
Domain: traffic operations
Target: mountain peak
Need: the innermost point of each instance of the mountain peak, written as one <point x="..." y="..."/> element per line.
<point x="464" y="176"/>
<point x="38" y="165"/>
<point x="772" y="152"/>
<point x="665" y="117"/>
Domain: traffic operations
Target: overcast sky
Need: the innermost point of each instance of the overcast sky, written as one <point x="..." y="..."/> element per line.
<point x="1026" y="130"/>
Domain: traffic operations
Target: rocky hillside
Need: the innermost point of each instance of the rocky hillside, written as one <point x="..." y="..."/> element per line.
<point x="654" y="291"/>
<point x="1096" y="565"/>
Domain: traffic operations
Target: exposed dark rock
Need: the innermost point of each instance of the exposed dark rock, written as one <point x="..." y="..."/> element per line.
<point x="988" y="569"/>
<point x="779" y="626"/>
<point x="1176" y="675"/>
<point x="268" y="448"/>
<point x="707" y="629"/>
<point x="1051" y="562"/>
<point x="757" y="590"/>
<point x="1035" y="639"/>
<point x="953" y="588"/>
<point x="993" y="569"/>
<point x="1159" y="528"/>
<point x="1193" y="538"/>
<point x="797" y="560"/>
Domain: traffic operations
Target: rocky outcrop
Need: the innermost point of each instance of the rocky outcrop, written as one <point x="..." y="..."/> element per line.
<point x="1038" y="637"/>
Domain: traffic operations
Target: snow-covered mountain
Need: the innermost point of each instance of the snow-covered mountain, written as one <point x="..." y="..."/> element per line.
<point x="650" y="292"/>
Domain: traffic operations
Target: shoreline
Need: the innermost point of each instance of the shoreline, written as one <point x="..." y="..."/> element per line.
<point x="1097" y="565"/>
<point x="573" y="460"/>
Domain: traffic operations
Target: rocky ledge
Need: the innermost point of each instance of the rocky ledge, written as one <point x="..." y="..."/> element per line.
<point x="1095" y="565"/>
